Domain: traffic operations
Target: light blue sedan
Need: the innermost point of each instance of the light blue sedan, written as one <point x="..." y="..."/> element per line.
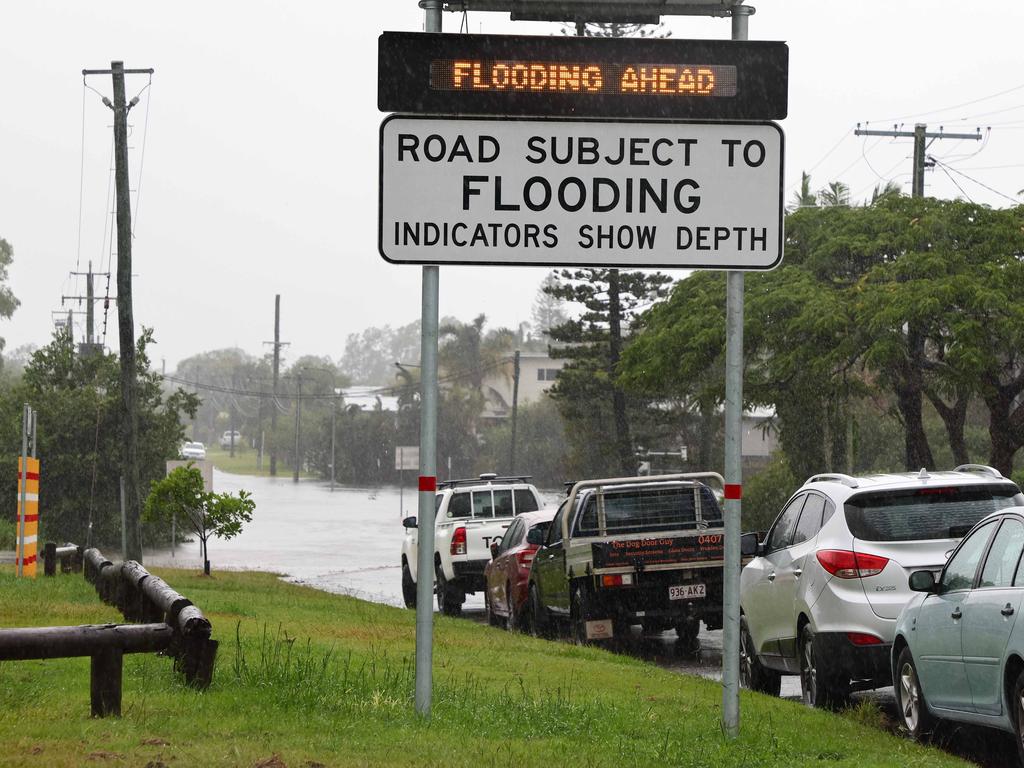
<point x="959" y="651"/>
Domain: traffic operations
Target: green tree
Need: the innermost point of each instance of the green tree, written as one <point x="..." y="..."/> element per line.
<point x="181" y="496"/>
<point x="370" y="356"/>
<point x="590" y="398"/>
<point x="803" y="197"/>
<point x="8" y="302"/>
<point x="77" y="398"/>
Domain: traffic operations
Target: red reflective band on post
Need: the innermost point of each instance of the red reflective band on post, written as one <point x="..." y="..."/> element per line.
<point x="30" y="518"/>
<point x="428" y="483"/>
<point x="733" y="491"/>
<point x="31" y="476"/>
<point x="28" y="560"/>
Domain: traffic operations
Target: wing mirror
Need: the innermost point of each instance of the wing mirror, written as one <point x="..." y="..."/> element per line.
<point x="750" y="546"/>
<point x="922" y="581"/>
<point x="409" y="522"/>
<point x="494" y="549"/>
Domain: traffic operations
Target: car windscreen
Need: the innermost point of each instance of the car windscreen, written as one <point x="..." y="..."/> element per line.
<point x="642" y="510"/>
<point x="919" y="514"/>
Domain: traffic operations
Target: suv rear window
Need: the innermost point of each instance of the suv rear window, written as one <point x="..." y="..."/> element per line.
<point x="636" y="510"/>
<point x="918" y="514"/>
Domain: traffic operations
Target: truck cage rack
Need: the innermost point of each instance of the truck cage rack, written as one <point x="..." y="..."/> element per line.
<point x="487" y="478"/>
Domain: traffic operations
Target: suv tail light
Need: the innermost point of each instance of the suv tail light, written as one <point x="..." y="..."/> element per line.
<point x="844" y="564"/>
<point x="459" y="541"/>
<point x="863" y="638"/>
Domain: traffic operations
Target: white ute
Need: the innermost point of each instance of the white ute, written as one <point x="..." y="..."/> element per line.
<point x="468" y="516"/>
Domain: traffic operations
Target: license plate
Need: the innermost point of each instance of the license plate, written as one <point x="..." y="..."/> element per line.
<point x="687" y="592"/>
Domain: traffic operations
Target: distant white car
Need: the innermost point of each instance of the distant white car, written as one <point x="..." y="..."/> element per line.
<point x="225" y="439"/>
<point x="193" y="451"/>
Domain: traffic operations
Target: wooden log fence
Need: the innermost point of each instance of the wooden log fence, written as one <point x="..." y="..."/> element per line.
<point x="68" y="557"/>
<point x="105" y="644"/>
<point x="168" y="622"/>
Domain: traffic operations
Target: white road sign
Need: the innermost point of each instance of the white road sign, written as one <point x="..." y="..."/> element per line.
<point x="581" y="193"/>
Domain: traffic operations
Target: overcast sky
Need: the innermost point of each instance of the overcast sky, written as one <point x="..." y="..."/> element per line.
<point x="260" y="130"/>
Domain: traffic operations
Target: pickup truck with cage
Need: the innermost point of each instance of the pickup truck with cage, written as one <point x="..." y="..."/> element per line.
<point x="469" y="515"/>
<point x="634" y="550"/>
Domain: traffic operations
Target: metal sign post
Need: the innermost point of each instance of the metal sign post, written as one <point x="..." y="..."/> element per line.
<point x="733" y="473"/>
<point x="428" y="460"/>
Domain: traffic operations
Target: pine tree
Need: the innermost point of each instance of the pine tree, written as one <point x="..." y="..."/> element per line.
<point x="587" y="391"/>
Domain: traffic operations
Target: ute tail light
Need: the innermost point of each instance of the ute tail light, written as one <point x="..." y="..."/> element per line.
<point x="616" y="579"/>
<point x="844" y="564"/>
<point x="459" y="541"/>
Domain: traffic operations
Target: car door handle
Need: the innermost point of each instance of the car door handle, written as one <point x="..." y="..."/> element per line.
<point x="771" y="576"/>
<point x="1007" y="610"/>
<point x="956" y="614"/>
<point x="798" y="572"/>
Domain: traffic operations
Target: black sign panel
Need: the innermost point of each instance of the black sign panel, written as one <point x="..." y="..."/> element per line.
<point x="426" y="73"/>
<point x="667" y="550"/>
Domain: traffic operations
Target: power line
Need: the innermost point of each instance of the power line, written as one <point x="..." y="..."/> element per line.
<point x="954" y="106"/>
<point x="142" y="153"/>
<point x="1013" y="200"/>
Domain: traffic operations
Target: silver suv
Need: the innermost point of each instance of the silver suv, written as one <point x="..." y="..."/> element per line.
<point x="822" y="593"/>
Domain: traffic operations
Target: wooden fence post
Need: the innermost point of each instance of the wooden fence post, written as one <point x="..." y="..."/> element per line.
<point x="105" y="682"/>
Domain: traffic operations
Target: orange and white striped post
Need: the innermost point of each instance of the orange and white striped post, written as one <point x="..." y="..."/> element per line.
<point x="28" y="515"/>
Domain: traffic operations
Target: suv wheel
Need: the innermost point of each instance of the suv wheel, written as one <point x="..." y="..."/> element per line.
<point x="449" y="599"/>
<point x="818" y="689"/>
<point x="753" y="674"/>
<point x="914" y="716"/>
<point x="408" y="586"/>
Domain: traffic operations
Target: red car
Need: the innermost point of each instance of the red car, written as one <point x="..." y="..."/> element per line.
<point x="507" y="575"/>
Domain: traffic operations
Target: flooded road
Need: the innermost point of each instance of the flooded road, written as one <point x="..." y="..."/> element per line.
<point x="349" y="541"/>
<point x="346" y="541"/>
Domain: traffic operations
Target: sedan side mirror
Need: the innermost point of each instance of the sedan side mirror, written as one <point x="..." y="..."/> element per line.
<point x="922" y="581"/>
<point x="536" y="536"/>
<point x="494" y="549"/>
<point x="409" y="522"/>
<point x="749" y="545"/>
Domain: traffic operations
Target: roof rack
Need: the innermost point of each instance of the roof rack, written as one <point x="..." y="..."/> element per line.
<point x="835" y="477"/>
<point x="485" y="478"/>
<point x="981" y="469"/>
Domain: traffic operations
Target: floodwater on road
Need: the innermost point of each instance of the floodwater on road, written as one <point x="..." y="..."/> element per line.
<point x="348" y="540"/>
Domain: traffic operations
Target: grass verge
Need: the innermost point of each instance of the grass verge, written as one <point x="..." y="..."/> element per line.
<point x="246" y="462"/>
<point x="312" y="679"/>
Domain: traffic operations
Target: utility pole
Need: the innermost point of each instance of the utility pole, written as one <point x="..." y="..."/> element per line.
<point x="125" y="319"/>
<point x="515" y="413"/>
<point x="298" y="417"/>
<point x="89" y="345"/>
<point x="277" y="344"/>
<point x="920" y="135"/>
<point x="234" y="387"/>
